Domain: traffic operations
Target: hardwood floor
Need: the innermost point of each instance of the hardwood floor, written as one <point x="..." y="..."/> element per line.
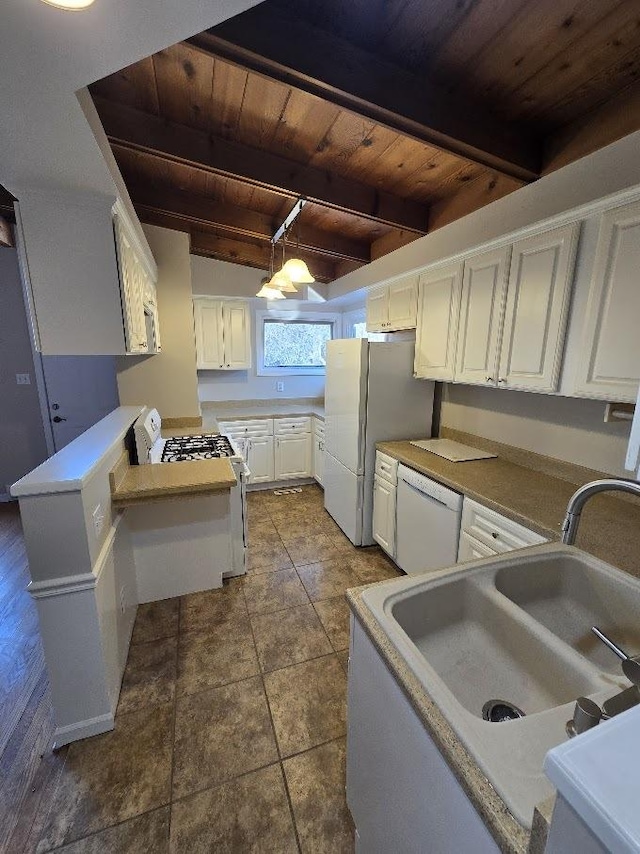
<point x="28" y="766"/>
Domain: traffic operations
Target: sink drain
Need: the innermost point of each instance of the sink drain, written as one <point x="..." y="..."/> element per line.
<point x="497" y="711"/>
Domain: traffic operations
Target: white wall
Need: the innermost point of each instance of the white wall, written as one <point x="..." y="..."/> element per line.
<point x="167" y="380"/>
<point x="22" y="443"/>
<point x="560" y="427"/>
<point x="219" y="278"/>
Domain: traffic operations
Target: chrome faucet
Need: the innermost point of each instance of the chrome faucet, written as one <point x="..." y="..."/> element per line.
<point x="580" y="498"/>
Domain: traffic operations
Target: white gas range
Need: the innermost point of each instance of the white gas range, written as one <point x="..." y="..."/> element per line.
<point x="152" y="448"/>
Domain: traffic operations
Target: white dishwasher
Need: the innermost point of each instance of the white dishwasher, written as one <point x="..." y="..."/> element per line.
<point x="427" y="523"/>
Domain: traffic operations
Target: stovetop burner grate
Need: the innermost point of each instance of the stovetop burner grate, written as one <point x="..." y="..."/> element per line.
<point x="199" y="447"/>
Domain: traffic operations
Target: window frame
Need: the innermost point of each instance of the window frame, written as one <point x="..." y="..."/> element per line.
<point x="290" y="316"/>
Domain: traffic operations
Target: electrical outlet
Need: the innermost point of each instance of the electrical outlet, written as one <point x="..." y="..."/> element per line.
<point x="23" y="379"/>
<point x="279" y="386"/>
<point x="123" y="599"/>
<point x="98" y="519"/>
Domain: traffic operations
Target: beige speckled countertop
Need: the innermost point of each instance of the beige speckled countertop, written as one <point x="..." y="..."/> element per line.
<point x="609" y="529"/>
<point x="534" y="491"/>
<point x="238" y="410"/>
<point x="139" y="484"/>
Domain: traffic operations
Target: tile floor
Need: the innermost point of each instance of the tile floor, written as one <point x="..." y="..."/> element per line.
<point x="230" y="732"/>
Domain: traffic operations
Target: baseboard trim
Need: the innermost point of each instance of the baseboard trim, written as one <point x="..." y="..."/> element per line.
<point x="281" y="484"/>
<point x="83" y="729"/>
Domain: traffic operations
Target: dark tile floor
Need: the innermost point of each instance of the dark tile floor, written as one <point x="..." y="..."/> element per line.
<point x="230" y="732"/>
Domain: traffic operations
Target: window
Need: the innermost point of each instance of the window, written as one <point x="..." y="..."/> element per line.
<point x="293" y="342"/>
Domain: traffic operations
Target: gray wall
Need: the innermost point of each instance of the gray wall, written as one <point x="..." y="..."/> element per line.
<point x="22" y="443"/>
<point x="564" y="428"/>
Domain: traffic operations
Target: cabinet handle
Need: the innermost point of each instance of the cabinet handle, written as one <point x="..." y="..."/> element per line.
<point x="489" y="379"/>
<point x="502" y="380"/>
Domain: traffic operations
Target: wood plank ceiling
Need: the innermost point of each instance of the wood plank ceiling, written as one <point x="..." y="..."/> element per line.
<point x="393" y="117"/>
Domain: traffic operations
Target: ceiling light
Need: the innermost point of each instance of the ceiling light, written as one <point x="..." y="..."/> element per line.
<point x="69" y="5"/>
<point x="270" y="293"/>
<point x="298" y="271"/>
<point x="282" y="282"/>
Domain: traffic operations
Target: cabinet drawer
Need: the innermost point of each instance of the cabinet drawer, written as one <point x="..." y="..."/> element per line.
<point x="291" y="426"/>
<point x="494" y="530"/>
<point x="386" y="467"/>
<point x="257" y="427"/>
<point x="318" y="427"/>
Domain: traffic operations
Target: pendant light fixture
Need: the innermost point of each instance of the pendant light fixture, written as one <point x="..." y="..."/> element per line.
<point x="281" y="280"/>
<point x="296" y="268"/>
<point x="69" y="5"/>
<point x="268" y="290"/>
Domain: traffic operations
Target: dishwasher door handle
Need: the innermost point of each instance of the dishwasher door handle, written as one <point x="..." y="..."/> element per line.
<point x="424" y="494"/>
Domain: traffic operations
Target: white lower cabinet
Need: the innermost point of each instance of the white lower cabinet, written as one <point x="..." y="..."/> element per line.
<point x="318" y="459"/>
<point x="384" y="515"/>
<point x="484" y="533"/>
<point x="259" y="459"/>
<point x="292" y="456"/>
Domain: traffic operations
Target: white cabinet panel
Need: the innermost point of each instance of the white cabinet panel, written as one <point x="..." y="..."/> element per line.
<point x="293" y="456"/>
<point x="289" y="426"/>
<point x="483" y="290"/>
<point x="536" y="310"/>
<point x="318" y="458"/>
<point x="377" y="310"/>
<point x="207" y="315"/>
<point x="236" y="335"/>
<point x="437" y="329"/>
<point x="223" y="334"/>
<point x="495" y="531"/>
<point x="402" y="304"/>
<point x="259" y="459"/>
<point x="610" y="367"/>
<point x="384" y="515"/>
<point x="132" y="286"/>
<point x="471" y="549"/>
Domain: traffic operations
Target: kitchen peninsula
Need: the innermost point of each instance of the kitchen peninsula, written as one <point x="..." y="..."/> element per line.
<point x="93" y="526"/>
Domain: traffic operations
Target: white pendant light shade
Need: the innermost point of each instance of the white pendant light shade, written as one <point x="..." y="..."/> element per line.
<point x="270" y="293"/>
<point x="298" y="271"/>
<point x="282" y="282"/>
<point x="69" y="5"/>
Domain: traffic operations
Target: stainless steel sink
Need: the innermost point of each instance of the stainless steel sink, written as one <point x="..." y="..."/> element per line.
<point x="516" y="628"/>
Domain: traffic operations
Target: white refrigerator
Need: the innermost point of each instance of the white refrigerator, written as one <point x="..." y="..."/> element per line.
<point x="370" y="396"/>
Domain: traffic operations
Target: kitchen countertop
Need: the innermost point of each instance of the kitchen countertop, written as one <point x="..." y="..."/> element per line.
<point x="138" y="484"/>
<point x="239" y="410"/>
<point x="609" y="528"/>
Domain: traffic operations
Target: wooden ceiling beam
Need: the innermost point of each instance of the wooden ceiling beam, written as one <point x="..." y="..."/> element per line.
<point x="198" y="211"/>
<point x="127" y="127"/>
<point x="298" y="54"/>
<point x="253" y="254"/>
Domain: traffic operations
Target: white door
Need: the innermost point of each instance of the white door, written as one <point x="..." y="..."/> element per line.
<point x="80" y="391"/>
<point x="483" y="288"/>
<point x="259" y="459"/>
<point x="236" y="335"/>
<point x="207" y="316"/>
<point x="292" y="456"/>
<point x="384" y="515"/>
<point x="345" y="401"/>
<point x="377" y="310"/>
<point x="403" y="304"/>
<point x="436" y="335"/>
<point x="471" y="549"/>
<point x="318" y="459"/>
<point x="536" y="310"/>
<point x="610" y="368"/>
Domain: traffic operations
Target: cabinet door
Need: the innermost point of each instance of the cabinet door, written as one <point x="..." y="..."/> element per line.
<point x="293" y="456"/>
<point x="436" y="335"/>
<point x="377" y="310"/>
<point x="236" y="336"/>
<point x="131" y="285"/>
<point x="481" y="308"/>
<point x="471" y="549"/>
<point x="403" y="304"/>
<point x="536" y="310"/>
<point x="260" y="459"/>
<point x="384" y="515"/>
<point x="318" y="459"/>
<point x="207" y="315"/>
<point x="610" y="368"/>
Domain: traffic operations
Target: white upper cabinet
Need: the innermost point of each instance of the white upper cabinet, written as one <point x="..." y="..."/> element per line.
<point x="536" y="311"/>
<point x="610" y="346"/>
<point x="437" y="328"/>
<point x="137" y="289"/>
<point x="223" y="337"/>
<point x="481" y="308"/>
<point x="394" y="306"/>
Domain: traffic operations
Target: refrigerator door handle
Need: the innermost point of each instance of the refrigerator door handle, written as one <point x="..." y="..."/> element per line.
<point x="633" y="449"/>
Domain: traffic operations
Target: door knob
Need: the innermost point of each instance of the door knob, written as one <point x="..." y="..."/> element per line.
<point x="57" y="419"/>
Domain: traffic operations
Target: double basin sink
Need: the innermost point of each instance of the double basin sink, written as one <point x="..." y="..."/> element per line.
<point x="514" y="628"/>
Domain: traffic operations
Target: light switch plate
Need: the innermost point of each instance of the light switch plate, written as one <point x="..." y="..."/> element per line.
<point x="23" y="379"/>
<point x="279" y="386"/>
